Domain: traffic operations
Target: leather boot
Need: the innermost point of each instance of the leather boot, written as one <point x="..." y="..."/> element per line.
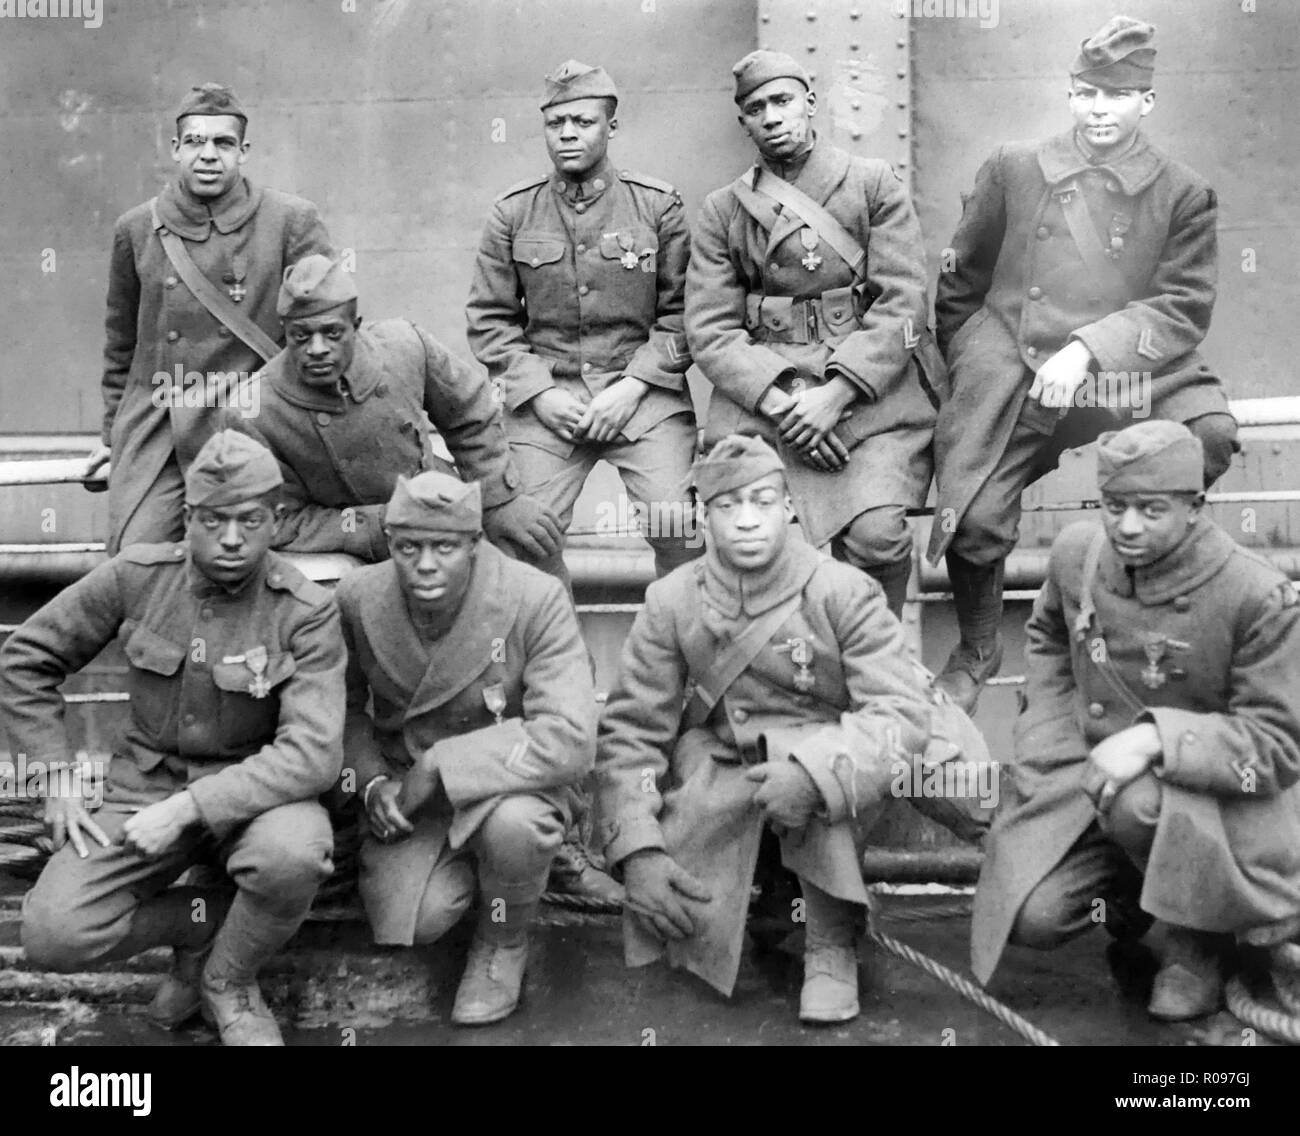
<point x="232" y="999"/>
<point x="1189" y="983"/>
<point x="573" y="873"/>
<point x="830" y="958"/>
<point x="893" y="579"/>
<point x="977" y="594"/>
<point x="494" y="972"/>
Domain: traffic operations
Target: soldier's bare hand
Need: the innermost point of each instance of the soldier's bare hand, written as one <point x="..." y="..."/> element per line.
<point x="830" y="455"/>
<point x="386" y="819"/>
<point x="99" y="457"/>
<point x="786" y="793"/>
<point x="1061" y="376"/>
<point x="559" y="412"/>
<point x="774" y="403"/>
<point x="1126" y="755"/>
<point x="814" y="414"/>
<point x="67" y="818"/>
<point x="153" y="830"/>
<point x="608" y="412"/>
<point x="655" y="885"/>
<point x="525" y="524"/>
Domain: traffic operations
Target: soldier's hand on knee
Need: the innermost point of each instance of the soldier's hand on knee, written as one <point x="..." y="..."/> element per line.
<point x="154" y="829"/>
<point x="559" y="412"/>
<point x="1061" y="376"/>
<point x="608" y="412"/>
<point x="786" y="793"/>
<point x="655" y="885"/>
<point x="386" y="818"/>
<point x="525" y="524"/>
<point x="1126" y="755"/>
<point x="68" y="819"/>
<point x="99" y="457"/>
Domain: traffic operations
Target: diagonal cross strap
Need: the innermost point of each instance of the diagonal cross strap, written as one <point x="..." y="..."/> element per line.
<point x="208" y="294"/>
<point x="1086" y="239"/>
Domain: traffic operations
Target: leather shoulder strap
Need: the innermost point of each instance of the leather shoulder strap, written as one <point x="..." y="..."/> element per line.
<point x="1084" y="234"/>
<point x="1088" y="618"/>
<point x="208" y="294"/>
<point x="816" y="218"/>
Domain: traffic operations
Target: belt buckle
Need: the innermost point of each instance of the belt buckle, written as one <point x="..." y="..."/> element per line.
<point x="810" y="321"/>
<point x="750" y="754"/>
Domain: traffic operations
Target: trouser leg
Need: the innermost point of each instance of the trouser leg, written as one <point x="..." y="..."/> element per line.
<point x="555" y="482"/>
<point x="830" y="985"/>
<point x="879" y="542"/>
<point x="157" y="517"/>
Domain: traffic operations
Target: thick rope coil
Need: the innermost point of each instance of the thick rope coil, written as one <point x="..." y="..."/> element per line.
<point x="1284" y="1027"/>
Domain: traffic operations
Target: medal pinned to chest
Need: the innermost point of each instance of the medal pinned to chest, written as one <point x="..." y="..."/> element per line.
<point x="1157" y="649"/>
<point x="808" y="238"/>
<point x="236" y="276"/>
<point x="256" y="660"/>
<point x="802" y="656"/>
<point x="494" y="698"/>
<point x="629" y="260"/>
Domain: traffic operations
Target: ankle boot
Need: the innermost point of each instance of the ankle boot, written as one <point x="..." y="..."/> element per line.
<point x="232" y="999"/>
<point x="494" y="971"/>
<point x="977" y="594"/>
<point x="1189" y="983"/>
<point x="178" y="999"/>
<point x="830" y="958"/>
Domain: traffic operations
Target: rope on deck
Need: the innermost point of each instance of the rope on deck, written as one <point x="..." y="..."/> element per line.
<point x="1275" y="1023"/>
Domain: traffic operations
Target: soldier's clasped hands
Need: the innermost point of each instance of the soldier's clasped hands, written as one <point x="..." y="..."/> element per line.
<point x="655" y="886"/>
<point x="67" y="818"/>
<point x="786" y="793"/>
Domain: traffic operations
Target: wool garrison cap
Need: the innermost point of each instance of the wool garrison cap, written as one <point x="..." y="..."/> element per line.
<point x="574" y="80"/>
<point x="734" y="462"/>
<point x="1117" y="55"/>
<point x="438" y="502"/>
<point x="230" y="469"/>
<point x="1151" y="457"/>
<point x="211" y="98"/>
<point x="313" y="285"/>
<point x="759" y="67"/>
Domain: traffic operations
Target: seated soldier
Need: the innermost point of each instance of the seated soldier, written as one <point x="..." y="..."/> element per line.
<point x="236" y="683"/>
<point x="346" y="407"/>
<point x="763" y="684"/>
<point x="1159" y="745"/>
<point x="483" y="723"/>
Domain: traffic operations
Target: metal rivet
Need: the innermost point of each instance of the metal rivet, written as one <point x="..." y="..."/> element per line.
<point x="765" y="18"/>
<point x="855" y="133"/>
<point x="901" y="162"/>
<point x="902" y="74"/>
<point x="902" y="133"/>
<point x="812" y="47"/>
<point x="812" y="15"/>
<point x="853" y="75"/>
<point x="901" y="43"/>
<point x="854" y="46"/>
<point x="902" y="105"/>
<point x="854" y="13"/>
<point x="856" y="104"/>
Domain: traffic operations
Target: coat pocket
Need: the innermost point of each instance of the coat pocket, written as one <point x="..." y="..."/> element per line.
<point x="250" y="719"/>
<point x="148" y="651"/>
<point x="537" y="251"/>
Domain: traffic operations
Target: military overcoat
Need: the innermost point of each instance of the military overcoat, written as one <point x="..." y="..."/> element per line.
<point x="1208" y="638"/>
<point x="504" y="701"/>
<point x="733" y="257"/>
<point x="341" y="456"/>
<point x="1017" y="289"/>
<point x="154" y="324"/>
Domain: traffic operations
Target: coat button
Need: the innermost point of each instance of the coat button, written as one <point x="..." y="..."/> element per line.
<point x="774" y="267"/>
<point x="740" y="715"/>
<point x="223" y="331"/>
<point x="579" y="208"/>
<point x="1181" y="603"/>
<point x="582" y="248"/>
<point x="323" y="418"/>
<point x="1044" y="232"/>
<point x="1035" y="293"/>
<point x="586" y="367"/>
<point x="206" y="613"/>
<point x="188" y="720"/>
<point x="173" y="336"/>
<point x="1032" y="352"/>
<point x="1113" y="186"/>
<point x="171" y="282"/>
<point x="1096" y="710"/>
<point x="583" y="290"/>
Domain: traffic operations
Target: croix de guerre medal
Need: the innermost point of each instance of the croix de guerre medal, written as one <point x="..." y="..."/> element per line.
<point x="801" y="655"/>
<point x="238" y="271"/>
<point x="494" y="698"/>
<point x="629" y="259"/>
<point x="1152" y="676"/>
<point x="808" y="238"/>
<point x="256" y="661"/>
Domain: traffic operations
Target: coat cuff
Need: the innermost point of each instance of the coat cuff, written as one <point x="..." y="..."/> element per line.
<point x="506" y="745"/>
<point x="1114" y="346"/>
<point x="528" y="376"/>
<point x="764" y="367"/>
<point x="837" y="367"/>
<point x="1191" y="756"/>
<point x="627" y="834"/>
<point x="215" y="806"/>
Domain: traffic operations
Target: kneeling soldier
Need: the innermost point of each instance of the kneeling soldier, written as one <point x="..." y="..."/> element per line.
<point x="798" y="695"/>
<point x="1159" y="747"/>
<point x="236" y="683"/>
<point x="483" y="722"/>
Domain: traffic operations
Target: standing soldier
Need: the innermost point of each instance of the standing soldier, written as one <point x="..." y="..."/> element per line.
<point x="1159" y="748"/>
<point x="805" y="302"/>
<point x="237" y="689"/>
<point x="346" y="409"/>
<point x="766" y="684"/>
<point x="576" y="311"/>
<point x="1083" y="282"/>
<point x="191" y="304"/>
<point x="483" y="721"/>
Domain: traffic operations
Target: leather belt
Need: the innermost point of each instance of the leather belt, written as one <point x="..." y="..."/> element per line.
<point x="784" y="319"/>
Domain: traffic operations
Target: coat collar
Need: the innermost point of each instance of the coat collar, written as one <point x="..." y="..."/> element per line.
<point x="193" y="221"/>
<point x="819" y="175"/>
<point x="1061" y="158"/>
<point x="602" y="177"/>
<point x="1194" y="560"/>
<point x="436" y="674"/>
<point x="752" y="593"/>
<point x="363" y="377"/>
